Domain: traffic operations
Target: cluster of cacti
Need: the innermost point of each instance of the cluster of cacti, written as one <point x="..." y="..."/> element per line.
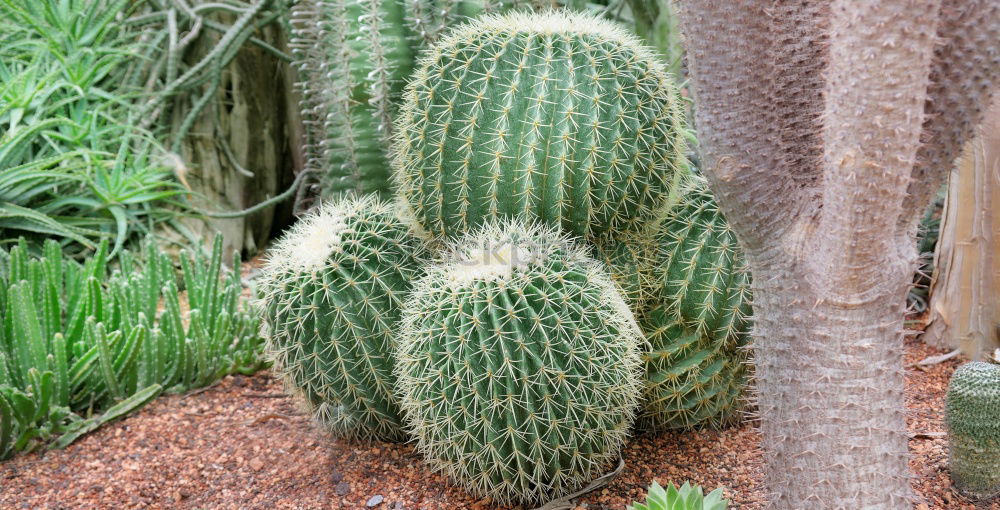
<point x="697" y="326"/>
<point x="519" y="366"/>
<point x="560" y="117"/>
<point x="543" y="153"/>
<point x="331" y="298"/>
<point x="77" y="351"/>
<point x="687" y="497"/>
<point x="353" y="58"/>
<point x="973" y="419"/>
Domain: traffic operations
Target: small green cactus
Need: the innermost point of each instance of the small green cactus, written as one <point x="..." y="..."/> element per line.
<point x="519" y="367"/>
<point x="559" y="116"/>
<point x="688" y="497"/>
<point x="972" y="415"/>
<point x="353" y="57"/>
<point x="698" y="328"/>
<point x="332" y="292"/>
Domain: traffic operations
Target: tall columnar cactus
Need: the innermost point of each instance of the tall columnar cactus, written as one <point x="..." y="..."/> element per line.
<point x="429" y="19"/>
<point x="697" y="368"/>
<point x="560" y="116"/>
<point x="973" y="419"/>
<point x="332" y="292"/>
<point x="353" y="57"/>
<point x="519" y="367"/>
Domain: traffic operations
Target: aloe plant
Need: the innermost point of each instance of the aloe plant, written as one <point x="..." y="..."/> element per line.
<point x="687" y="497"/>
<point x="81" y="345"/>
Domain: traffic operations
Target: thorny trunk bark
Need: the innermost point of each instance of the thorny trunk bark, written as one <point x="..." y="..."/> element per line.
<point x="965" y="292"/>
<point x="824" y="126"/>
<point x="830" y="393"/>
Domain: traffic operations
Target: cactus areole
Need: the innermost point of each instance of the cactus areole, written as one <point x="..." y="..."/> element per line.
<point x="560" y="116"/>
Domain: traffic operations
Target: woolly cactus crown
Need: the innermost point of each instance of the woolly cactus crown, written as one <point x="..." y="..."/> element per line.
<point x="559" y="116"/>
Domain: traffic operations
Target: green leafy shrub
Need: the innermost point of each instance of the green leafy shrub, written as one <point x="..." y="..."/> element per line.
<point x="559" y="116"/>
<point x="518" y="367"/>
<point x="688" y="497"/>
<point x="81" y="345"/>
<point x="89" y="90"/>
<point x="972" y="414"/>
<point x="697" y="369"/>
<point x="331" y="294"/>
<point x="74" y="163"/>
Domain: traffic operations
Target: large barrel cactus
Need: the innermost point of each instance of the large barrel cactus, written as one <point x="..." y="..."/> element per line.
<point x="519" y="366"/>
<point x="353" y="57"/>
<point x="698" y="329"/>
<point x="630" y="262"/>
<point x="331" y="296"/>
<point x="560" y="116"/>
<point x="973" y="419"/>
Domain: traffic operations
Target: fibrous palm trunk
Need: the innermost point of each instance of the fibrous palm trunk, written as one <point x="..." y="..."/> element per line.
<point x="965" y="293"/>
<point x="825" y="127"/>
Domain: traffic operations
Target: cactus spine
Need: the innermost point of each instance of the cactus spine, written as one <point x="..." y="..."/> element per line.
<point x="519" y="366"/>
<point x="332" y="291"/>
<point x="560" y="116"/>
<point x="630" y="262"/>
<point x="353" y="57"/>
<point x="973" y="418"/>
<point x="697" y="368"/>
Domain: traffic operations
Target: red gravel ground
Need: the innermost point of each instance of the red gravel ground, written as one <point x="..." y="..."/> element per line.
<point x="242" y="444"/>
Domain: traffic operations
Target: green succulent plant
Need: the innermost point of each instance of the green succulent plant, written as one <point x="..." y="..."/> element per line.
<point x="688" y="497"/>
<point x="698" y="325"/>
<point x="518" y="369"/>
<point x="353" y="59"/>
<point x="82" y="345"/>
<point x="331" y="295"/>
<point x="561" y="117"/>
<point x="972" y="414"/>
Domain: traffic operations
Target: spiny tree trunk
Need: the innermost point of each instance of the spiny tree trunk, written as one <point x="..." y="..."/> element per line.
<point x="825" y="126"/>
<point x="965" y="293"/>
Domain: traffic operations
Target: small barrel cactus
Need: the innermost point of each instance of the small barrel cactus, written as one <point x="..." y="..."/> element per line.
<point x="697" y="326"/>
<point x="561" y="117"/>
<point x="331" y="296"/>
<point x="353" y="57"/>
<point x="519" y="366"/>
<point x="972" y="415"/>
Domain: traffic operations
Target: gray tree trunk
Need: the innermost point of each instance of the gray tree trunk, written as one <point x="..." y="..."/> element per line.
<point x="824" y="127"/>
<point x="965" y="291"/>
<point x="243" y="148"/>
